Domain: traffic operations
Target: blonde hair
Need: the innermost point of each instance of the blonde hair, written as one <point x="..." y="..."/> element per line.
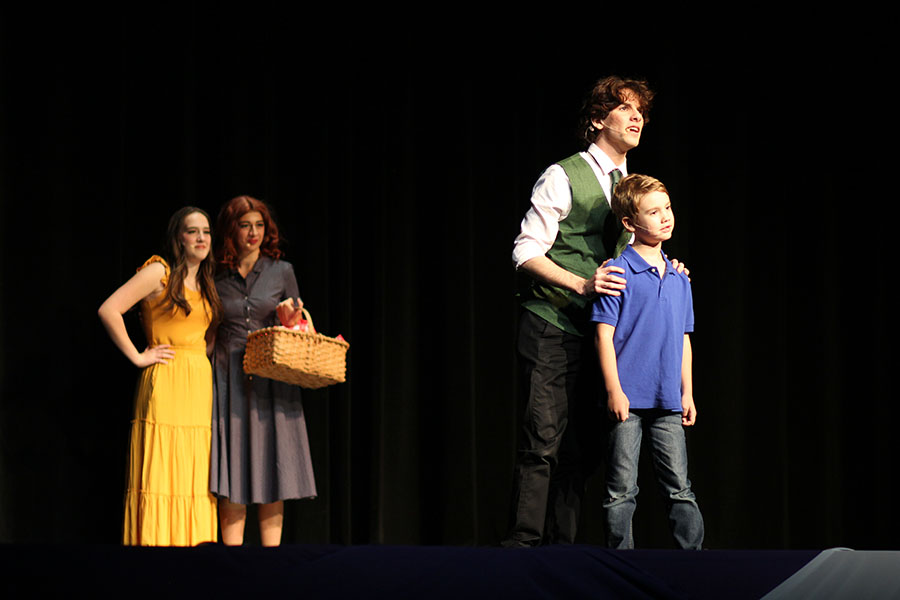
<point x="630" y="190"/>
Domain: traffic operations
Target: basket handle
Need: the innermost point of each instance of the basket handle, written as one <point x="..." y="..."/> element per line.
<point x="308" y="317"/>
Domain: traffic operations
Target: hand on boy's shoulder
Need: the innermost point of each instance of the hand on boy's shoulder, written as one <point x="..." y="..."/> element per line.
<point x="679" y="266"/>
<point x="605" y="281"/>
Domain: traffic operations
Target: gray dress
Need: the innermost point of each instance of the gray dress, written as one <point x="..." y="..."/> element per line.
<point x="260" y="451"/>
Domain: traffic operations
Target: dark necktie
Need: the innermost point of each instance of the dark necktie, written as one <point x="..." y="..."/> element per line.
<point x="614" y="177"/>
<point x="624" y="236"/>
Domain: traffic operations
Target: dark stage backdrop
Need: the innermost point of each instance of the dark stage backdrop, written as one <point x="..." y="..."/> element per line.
<point x="399" y="163"/>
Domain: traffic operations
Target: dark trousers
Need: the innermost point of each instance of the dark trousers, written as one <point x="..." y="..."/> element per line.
<point x="560" y="429"/>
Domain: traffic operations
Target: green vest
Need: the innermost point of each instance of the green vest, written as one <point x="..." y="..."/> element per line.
<point x="587" y="237"/>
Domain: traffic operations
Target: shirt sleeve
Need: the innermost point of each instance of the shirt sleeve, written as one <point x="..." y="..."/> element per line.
<point x="606" y="309"/>
<point x="551" y="201"/>
<point x="156" y="258"/>
<point x="688" y="307"/>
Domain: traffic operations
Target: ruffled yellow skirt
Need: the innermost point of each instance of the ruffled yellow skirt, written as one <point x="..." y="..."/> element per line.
<point x="168" y="502"/>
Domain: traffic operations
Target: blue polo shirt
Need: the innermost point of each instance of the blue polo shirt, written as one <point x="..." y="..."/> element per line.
<point x="651" y="317"/>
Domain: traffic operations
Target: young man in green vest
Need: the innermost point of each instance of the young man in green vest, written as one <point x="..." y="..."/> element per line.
<point x="567" y="235"/>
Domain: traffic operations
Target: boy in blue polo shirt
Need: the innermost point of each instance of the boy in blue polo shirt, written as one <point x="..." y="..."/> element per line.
<point x="645" y="356"/>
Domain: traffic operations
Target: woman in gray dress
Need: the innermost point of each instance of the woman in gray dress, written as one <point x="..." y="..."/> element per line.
<point x="260" y="451"/>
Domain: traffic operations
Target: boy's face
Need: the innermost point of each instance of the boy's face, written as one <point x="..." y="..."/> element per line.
<point x="654" y="221"/>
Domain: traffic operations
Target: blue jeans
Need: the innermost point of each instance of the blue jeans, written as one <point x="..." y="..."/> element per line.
<point x="670" y="464"/>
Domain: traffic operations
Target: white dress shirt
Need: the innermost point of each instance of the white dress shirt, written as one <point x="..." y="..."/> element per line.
<point x="551" y="201"/>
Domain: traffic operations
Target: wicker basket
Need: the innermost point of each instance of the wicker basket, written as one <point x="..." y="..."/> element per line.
<point x="310" y="360"/>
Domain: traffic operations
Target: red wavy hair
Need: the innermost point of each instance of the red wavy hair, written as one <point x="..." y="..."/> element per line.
<point x="227" y="230"/>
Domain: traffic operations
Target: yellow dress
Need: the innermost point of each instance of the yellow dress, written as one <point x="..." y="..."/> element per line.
<point x="168" y="502"/>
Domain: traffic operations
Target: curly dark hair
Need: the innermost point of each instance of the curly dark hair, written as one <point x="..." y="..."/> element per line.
<point x="227" y="229"/>
<point x="605" y="95"/>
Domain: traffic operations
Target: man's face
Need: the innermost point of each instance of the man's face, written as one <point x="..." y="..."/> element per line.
<point x="621" y="129"/>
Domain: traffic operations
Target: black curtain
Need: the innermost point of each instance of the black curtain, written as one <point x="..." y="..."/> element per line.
<point x="400" y="161"/>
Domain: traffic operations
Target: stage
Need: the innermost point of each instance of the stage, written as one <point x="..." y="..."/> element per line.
<point x="371" y="571"/>
<point x="359" y="139"/>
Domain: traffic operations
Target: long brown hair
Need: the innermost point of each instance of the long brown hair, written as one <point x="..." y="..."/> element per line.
<point x="173" y="251"/>
<point x="227" y="229"/>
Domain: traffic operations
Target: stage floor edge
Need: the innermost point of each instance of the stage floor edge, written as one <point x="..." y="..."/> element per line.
<point x="397" y="571"/>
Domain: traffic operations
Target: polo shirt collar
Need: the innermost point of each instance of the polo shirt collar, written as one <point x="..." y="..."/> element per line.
<point x="637" y="262"/>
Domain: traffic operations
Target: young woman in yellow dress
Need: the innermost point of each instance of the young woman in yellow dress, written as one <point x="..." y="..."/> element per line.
<point x="168" y="502"/>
